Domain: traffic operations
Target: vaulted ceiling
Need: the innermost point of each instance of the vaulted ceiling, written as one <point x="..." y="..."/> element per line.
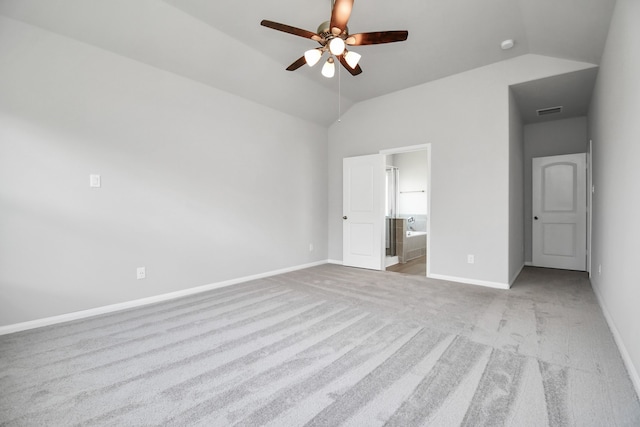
<point x="221" y="43"/>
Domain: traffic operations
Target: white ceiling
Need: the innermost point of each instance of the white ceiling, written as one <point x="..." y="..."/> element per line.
<point x="221" y="43"/>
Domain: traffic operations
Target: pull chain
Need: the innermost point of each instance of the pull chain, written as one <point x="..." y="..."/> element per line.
<point x="331" y="5"/>
<point x="339" y="94"/>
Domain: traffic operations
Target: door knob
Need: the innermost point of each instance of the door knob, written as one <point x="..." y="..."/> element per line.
<point x="344" y="217"/>
<point x="535" y="217"/>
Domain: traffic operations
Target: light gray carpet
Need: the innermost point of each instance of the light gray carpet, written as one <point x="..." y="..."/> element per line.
<point x="330" y="346"/>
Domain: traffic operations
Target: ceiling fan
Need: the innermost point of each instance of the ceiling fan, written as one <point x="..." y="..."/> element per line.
<point x="334" y="37"/>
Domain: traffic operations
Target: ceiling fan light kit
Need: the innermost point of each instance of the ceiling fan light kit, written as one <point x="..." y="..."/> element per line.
<point x="329" y="68"/>
<point x="312" y="56"/>
<point x="336" y="46"/>
<point x="334" y="36"/>
<point x="352" y="58"/>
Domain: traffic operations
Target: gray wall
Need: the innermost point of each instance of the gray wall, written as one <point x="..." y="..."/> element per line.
<point x="199" y="186"/>
<point x="465" y="118"/>
<point x="553" y="138"/>
<point x="614" y="127"/>
<point x="516" y="190"/>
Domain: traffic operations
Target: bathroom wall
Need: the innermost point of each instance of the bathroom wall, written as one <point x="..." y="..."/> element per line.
<point x="413" y="186"/>
<point x="413" y="177"/>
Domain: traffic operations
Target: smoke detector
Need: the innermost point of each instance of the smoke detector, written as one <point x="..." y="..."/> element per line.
<point x="507" y="44"/>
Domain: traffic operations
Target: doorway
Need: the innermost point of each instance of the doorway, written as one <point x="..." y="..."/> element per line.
<point x="366" y="206"/>
<point x="407" y="220"/>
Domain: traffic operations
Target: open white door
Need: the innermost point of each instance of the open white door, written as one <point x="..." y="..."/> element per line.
<point x="559" y="233"/>
<point x="363" y="207"/>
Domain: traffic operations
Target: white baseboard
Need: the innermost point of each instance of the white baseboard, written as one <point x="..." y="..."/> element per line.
<point x="631" y="369"/>
<point x="32" y="324"/>
<point x="454" y="279"/>
<point x="391" y="260"/>
<point x="496" y="285"/>
<point x="528" y="263"/>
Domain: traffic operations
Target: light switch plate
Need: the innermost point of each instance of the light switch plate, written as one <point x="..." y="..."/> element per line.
<point x="94" y="181"/>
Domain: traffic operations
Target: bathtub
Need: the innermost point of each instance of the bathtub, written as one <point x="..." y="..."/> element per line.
<point x="414" y="245"/>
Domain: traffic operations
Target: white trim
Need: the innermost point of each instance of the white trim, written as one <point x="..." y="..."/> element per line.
<point x="407" y="149"/>
<point x="17" y="327"/>
<point x="391" y="260"/>
<point x="513" y="279"/>
<point x="335" y="261"/>
<point x="589" y="203"/>
<point x="626" y="358"/>
<point x="529" y="264"/>
<point x="496" y="285"/>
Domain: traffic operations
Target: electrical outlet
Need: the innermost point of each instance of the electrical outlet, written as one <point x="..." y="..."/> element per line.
<point x="471" y="259"/>
<point x="599" y="268"/>
<point x="310" y="247"/>
<point x="141" y="273"/>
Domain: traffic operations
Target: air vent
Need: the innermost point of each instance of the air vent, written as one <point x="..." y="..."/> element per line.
<point x="547" y="111"/>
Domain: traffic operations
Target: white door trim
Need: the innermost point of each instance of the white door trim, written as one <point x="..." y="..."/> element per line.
<point x="407" y="149"/>
<point x="589" y="203"/>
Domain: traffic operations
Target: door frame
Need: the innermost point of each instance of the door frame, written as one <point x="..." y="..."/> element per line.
<point x="408" y="149"/>
<point x="590" y="191"/>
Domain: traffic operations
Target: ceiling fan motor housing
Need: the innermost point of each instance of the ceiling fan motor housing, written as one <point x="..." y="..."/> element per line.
<point x="324" y="31"/>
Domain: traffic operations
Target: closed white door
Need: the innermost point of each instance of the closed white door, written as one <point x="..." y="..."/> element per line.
<point x="559" y="233"/>
<point x="363" y="211"/>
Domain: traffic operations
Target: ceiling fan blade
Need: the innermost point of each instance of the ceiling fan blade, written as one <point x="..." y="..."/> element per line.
<point x="291" y="30"/>
<point x="353" y="71"/>
<point x="297" y="64"/>
<point x="340" y="16"/>
<point x="377" y="37"/>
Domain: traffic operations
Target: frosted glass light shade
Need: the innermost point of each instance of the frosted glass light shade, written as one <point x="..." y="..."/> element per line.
<point x="329" y="68"/>
<point x="352" y="59"/>
<point x="336" y="46"/>
<point x="312" y="57"/>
